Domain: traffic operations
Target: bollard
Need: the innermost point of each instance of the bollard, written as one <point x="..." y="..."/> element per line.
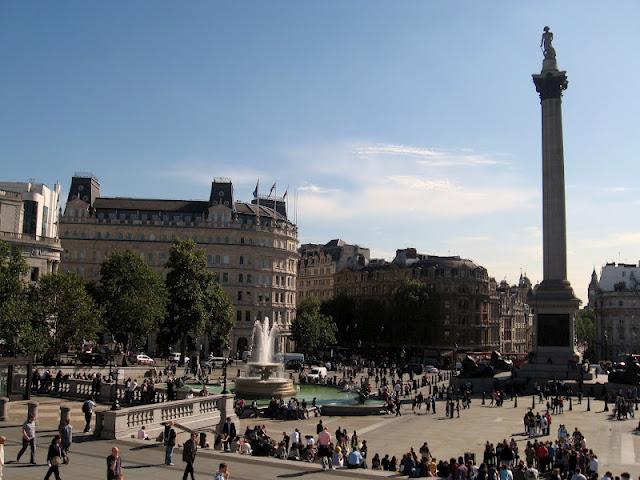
<point x="636" y="403"/>
<point x="606" y="404"/>
<point x="515" y="400"/>
<point x="484" y="394"/>
<point x="65" y="414"/>
<point x="4" y="408"/>
<point x="589" y="404"/>
<point x="533" y="403"/>
<point x="32" y="410"/>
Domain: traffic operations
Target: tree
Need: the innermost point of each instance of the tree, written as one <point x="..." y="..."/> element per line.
<point x="220" y="319"/>
<point x="62" y="303"/>
<point x="197" y="303"/>
<point x="14" y="305"/>
<point x="342" y="309"/>
<point x="132" y="296"/>
<point x="586" y="326"/>
<point x="311" y="329"/>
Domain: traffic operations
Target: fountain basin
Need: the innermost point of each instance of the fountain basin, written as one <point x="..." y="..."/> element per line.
<point x="256" y="387"/>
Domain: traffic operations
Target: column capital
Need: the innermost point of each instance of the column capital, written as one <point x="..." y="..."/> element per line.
<point x="550" y="84"/>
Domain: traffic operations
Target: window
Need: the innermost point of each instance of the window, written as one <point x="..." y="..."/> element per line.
<point x="240" y="278"/>
<point x="239" y="296"/>
<point x="241" y="241"/>
<point x="225" y="277"/>
<point x="247" y="316"/>
<point x="238" y="315"/>
<point x="248" y="278"/>
<point x="225" y="259"/>
<point x="241" y="260"/>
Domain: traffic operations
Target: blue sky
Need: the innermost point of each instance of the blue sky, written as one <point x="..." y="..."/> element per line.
<point x="398" y="123"/>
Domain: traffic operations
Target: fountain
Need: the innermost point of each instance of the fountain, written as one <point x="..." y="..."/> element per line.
<point x="263" y="378"/>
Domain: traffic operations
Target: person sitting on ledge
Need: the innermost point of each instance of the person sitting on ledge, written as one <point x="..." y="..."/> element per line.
<point x="355" y="460"/>
<point x="142" y="434"/>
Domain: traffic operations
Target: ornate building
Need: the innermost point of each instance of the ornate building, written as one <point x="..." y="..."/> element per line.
<point x="250" y="247"/>
<point x="515" y="316"/>
<point x="461" y="287"/>
<point x="29" y="222"/>
<point x="615" y="300"/>
<point x="318" y="263"/>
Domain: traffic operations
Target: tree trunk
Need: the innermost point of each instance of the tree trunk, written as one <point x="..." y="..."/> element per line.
<point x="183" y="348"/>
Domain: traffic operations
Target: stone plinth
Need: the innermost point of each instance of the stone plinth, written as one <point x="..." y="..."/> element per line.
<point x="4" y="408"/>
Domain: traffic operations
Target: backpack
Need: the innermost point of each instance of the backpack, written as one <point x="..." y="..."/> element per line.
<point x="86" y="407"/>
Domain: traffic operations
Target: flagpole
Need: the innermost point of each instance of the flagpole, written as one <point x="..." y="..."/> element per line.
<point x="258" y="199"/>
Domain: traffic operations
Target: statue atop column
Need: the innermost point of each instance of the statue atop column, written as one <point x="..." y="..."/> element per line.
<point x="545" y="44"/>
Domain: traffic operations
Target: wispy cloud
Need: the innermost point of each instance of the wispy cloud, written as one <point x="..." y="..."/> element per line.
<point x="427" y="156"/>
<point x="616" y="189"/>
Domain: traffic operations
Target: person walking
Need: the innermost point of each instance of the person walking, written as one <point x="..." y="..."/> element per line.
<point x="54" y="458"/>
<point x="189" y="451"/>
<point x="3" y="440"/>
<point x="170" y="443"/>
<point x="222" y="473"/>
<point x="229" y="429"/>
<point x="28" y="439"/>
<point x="87" y="408"/>
<point x="66" y="432"/>
<point x="114" y="465"/>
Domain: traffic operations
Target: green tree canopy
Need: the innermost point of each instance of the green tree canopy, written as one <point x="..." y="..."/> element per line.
<point x="586" y="326"/>
<point x="133" y="297"/>
<point x="312" y="330"/>
<point x="197" y="304"/>
<point x="63" y="304"/>
<point x="15" y="312"/>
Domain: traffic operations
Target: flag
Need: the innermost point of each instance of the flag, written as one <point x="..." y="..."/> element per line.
<point x="255" y="192"/>
<point x="273" y="187"/>
<point x="285" y="192"/>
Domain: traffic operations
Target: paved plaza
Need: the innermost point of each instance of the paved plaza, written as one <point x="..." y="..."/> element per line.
<point x="615" y="442"/>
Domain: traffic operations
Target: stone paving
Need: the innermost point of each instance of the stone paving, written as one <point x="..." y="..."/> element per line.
<point x="615" y="442"/>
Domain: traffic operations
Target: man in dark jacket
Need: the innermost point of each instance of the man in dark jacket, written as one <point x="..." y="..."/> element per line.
<point x="169" y="443"/>
<point x="228" y="433"/>
<point x="189" y="450"/>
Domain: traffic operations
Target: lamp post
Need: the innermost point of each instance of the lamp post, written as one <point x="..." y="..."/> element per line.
<point x="115" y="405"/>
<point x="225" y="354"/>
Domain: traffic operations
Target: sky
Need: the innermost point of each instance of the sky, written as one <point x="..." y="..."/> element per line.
<point x="394" y="124"/>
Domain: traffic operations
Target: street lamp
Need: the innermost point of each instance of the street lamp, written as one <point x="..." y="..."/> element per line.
<point x="225" y="353"/>
<point x="115" y="405"/>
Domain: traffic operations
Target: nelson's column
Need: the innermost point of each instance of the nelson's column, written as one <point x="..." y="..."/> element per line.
<point x="554" y="303"/>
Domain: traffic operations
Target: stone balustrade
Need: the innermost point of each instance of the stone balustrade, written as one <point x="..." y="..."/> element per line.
<point x="83" y="389"/>
<point x="193" y="414"/>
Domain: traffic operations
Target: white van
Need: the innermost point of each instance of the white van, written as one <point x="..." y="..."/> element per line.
<point x="174" y="357"/>
<point x="317" y="374"/>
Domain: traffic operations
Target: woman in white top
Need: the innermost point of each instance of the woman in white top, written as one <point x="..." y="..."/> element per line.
<point x="2" y="441"/>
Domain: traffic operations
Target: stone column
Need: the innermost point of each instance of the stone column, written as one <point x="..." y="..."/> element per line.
<point x="32" y="409"/>
<point x="65" y="414"/>
<point x="4" y="409"/>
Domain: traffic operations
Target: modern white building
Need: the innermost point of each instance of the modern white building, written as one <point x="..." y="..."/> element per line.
<point x="29" y="215"/>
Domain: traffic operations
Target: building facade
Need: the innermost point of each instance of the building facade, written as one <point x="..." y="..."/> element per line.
<point x="29" y="215"/>
<point x="615" y="300"/>
<point x="515" y="316"/>
<point x="318" y="263"/>
<point x="250" y="247"/>
<point x="461" y="288"/>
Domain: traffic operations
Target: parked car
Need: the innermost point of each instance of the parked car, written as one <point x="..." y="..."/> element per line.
<point x="430" y="369"/>
<point x="89" y="358"/>
<point x="317" y="374"/>
<point x="215" y="362"/>
<point x="414" y="368"/>
<point x="174" y="357"/>
<point x="142" y="359"/>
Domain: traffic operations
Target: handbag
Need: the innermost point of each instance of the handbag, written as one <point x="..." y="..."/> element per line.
<point x="56" y="461"/>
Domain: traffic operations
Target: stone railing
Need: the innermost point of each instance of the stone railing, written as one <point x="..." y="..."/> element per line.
<point x="193" y="414"/>
<point x="83" y="389"/>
